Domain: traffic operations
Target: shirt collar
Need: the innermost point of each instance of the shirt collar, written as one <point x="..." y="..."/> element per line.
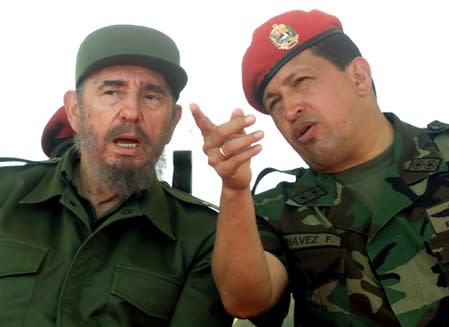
<point x="155" y="206"/>
<point x="55" y="181"/>
<point x="415" y="157"/>
<point x="153" y="203"/>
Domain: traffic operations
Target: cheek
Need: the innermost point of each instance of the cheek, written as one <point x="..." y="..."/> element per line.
<point x="286" y="130"/>
<point x="101" y="120"/>
<point x="279" y="121"/>
<point x="157" y="124"/>
<point x="342" y="129"/>
<point x="101" y="129"/>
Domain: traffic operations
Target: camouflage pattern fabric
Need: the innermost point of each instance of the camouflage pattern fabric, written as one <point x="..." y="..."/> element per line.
<point x="351" y="267"/>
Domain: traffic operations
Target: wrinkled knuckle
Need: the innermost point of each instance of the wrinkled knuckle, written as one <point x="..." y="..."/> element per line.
<point x="206" y="149"/>
<point x="221" y="133"/>
<point x="213" y="160"/>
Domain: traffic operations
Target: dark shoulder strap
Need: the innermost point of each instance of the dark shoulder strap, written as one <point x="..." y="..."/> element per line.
<point x="182" y="170"/>
<point x="17" y="160"/>
<point x="294" y="172"/>
<point x="12" y="160"/>
<point x="437" y="127"/>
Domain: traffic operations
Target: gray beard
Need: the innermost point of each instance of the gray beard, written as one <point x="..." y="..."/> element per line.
<point x="120" y="177"/>
<point x="124" y="181"/>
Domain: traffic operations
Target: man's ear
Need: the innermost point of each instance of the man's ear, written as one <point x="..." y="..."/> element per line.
<point x="361" y="75"/>
<point x="174" y="121"/>
<point x="72" y="109"/>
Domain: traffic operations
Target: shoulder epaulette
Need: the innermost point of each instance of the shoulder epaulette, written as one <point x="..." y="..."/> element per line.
<point x="11" y="160"/>
<point x="187" y="197"/>
<point x="437" y="127"/>
<point x="298" y="172"/>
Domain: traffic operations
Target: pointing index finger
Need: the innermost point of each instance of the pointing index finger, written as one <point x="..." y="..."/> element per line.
<point x="202" y="121"/>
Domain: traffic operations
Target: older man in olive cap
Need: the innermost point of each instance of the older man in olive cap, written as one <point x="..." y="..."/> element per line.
<point x="94" y="238"/>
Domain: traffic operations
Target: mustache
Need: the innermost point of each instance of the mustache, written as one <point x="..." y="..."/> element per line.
<point x="124" y="128"/>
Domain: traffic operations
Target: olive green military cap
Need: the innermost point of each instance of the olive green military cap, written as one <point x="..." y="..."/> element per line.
<point x="131" y="45"/>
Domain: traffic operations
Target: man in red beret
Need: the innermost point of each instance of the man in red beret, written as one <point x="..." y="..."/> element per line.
<point x="57" y="136"/>
<point x="93" y="238"/>
<point x="362" y="237"/>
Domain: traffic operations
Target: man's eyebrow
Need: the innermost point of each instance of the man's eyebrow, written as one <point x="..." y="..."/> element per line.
<point x="267" y="95"/>
<point x="154" y="87"/>
<point x="107" y="82"/>
<point x="147" y="86"/>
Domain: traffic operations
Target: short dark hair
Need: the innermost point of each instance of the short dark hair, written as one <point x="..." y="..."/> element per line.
<point x="339" y="49"/>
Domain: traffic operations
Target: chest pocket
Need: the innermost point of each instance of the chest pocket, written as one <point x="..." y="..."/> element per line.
<point x="307" y="238"/>
<point x="315" y="272"/>
<point x="153" y="293"/>
<point x="19" y="265"/>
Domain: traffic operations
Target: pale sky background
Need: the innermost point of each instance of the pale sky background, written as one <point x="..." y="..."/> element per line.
<point x="404" y="41"/>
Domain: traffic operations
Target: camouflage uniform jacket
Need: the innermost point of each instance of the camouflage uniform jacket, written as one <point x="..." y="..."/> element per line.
<point x="348" y="266"/>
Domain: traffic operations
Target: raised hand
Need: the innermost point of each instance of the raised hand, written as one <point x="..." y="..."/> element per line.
<point x="228" y="147"/>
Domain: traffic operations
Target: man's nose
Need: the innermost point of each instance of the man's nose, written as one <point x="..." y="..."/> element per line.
<point x="292" y="107"/>
<point x="130" y="110"/>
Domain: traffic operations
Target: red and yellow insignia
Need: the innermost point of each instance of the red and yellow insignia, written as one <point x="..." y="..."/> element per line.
<point x="283" y="36"/>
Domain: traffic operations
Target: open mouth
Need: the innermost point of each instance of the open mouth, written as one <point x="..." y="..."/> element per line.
<point x="304" y="132"/>
<point x="126" y="143"/>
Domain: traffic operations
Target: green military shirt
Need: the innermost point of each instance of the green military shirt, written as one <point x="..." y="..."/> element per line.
<point x="351" y="266"/>
<point x="146" y="263"/>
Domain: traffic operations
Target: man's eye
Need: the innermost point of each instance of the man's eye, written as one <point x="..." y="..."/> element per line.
<point x="110" y="92"/>
<point x="152" y="97"/>
<point x="300" y="80"/>
<point x="272" y="104"/>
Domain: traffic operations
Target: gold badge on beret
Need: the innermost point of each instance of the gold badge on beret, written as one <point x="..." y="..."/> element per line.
<point x="283" y="36"/>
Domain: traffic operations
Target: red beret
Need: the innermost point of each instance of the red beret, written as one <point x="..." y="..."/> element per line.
<point x="278" y="40"/>
<point x="57" y="135"/>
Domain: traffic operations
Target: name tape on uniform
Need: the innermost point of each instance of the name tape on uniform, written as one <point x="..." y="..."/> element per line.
<point x="300" y="241"/>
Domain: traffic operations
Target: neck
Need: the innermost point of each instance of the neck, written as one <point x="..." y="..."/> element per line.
<point x="382" y="135"/>
<point x="369" y="142"/>
<point x="91" y="189"/>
